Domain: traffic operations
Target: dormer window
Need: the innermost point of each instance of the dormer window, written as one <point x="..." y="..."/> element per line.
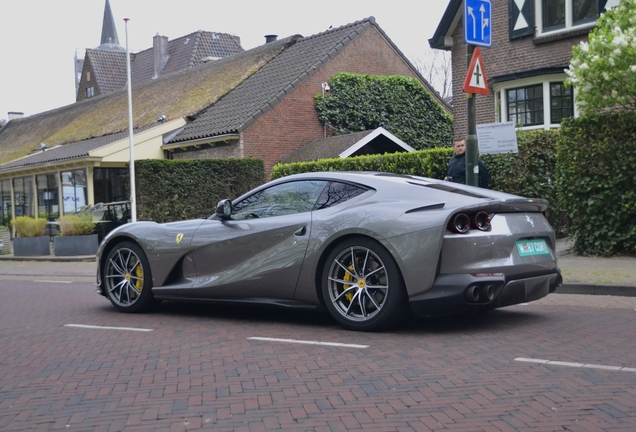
<point x="90" y="92"/>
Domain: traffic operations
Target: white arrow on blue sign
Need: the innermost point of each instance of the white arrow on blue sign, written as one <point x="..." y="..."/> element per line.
<point x="478" y="23"/>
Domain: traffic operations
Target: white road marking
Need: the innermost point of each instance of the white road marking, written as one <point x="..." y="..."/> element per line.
<point x="107" y="328"/>
<point x="308" y="342"/>
<point x="52" y="281"/>
<point x="579" y="365"/>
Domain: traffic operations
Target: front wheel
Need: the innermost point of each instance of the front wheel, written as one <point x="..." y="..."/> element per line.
<point x="362" y="286"/>
<point x="126" y="278"/>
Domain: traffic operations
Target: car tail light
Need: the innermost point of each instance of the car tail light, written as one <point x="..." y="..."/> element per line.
<point x="481" y="221"/>
<point x="460" y="223"/>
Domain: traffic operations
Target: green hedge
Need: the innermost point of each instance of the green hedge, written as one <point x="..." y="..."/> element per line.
<point x="597" y="181"/>
<point x="428" y="163"/>
<point x="531" y="172"/>
<point x="170" y="190"/>
<point x="400" y="104"/>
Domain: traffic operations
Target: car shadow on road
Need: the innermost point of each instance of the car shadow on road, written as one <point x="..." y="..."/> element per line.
<point x="248" y="313"/>
<point x="312" y="317"/>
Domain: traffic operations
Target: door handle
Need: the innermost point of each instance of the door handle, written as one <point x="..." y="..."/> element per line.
<point x="300" y="231"/>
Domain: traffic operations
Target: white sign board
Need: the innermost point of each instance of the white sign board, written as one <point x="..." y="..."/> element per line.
<point x="497" y="138"/>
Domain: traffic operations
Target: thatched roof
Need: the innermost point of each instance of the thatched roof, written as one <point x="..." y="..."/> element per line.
<point x="177" y="95"/>
<point x="218" y="96"/>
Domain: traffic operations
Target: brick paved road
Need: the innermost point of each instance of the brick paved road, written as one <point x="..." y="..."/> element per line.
<point x="197" y="369"/>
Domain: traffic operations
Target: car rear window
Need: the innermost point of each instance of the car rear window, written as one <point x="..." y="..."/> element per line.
<point x="336" y="193"/>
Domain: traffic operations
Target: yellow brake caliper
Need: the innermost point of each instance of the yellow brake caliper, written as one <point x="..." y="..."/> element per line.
<point x="139" y="283"/>
<point x="348" y="278"/>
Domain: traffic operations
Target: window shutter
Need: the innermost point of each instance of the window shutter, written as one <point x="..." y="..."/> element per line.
<point x="521" y="18"/>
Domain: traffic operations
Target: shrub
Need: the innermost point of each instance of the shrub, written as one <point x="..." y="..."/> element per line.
<point x="400" y="104"/>
<point x="596" y="165"/>
<point x="76" y="225"/>
<point x="530" y="173"/>
<point x="26" y="226"/>
<point x="427" y="163"/>
<point x="171" y="190"/>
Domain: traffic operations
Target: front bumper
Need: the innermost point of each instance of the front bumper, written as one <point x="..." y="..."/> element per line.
<point x="460" y="293"/>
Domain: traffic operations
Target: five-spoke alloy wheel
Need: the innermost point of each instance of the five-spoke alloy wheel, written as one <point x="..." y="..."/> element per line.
<point x="126" y="278"/>
<point x="362" y="286"/>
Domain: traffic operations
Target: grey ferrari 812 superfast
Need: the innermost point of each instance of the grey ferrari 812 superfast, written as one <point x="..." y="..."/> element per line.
<point x="371" y="248"/>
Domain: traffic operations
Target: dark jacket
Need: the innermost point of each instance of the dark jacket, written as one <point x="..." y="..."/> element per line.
<point x="457" y="171"/>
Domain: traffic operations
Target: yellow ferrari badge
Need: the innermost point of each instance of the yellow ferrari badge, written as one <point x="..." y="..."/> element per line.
<point x="179" y="237"/>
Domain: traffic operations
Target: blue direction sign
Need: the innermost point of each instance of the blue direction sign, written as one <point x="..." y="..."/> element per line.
<point x="478" y="23"/>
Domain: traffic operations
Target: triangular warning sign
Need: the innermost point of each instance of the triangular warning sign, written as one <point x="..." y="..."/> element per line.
<point x="476" y="81"/>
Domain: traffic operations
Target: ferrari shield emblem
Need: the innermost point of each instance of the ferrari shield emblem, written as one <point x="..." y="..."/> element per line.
<point x="179" y="237"/>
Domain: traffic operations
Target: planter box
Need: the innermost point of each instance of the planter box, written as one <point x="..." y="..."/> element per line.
<point x="31" y="246"/>
<point x="75" y="245"/>
<point x="5" y="236"/>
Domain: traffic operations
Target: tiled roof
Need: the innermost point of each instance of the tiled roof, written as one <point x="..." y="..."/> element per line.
<point x="272" y="83"/>
<point x="67" y="151"/>
<point x="109" y="69"/>
<point x="326" y="148"/>
<point x="184" y="52"/>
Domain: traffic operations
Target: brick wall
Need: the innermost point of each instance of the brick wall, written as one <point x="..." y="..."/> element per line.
<point x="85" y="83"/>
<point x="503" y="58"/>
<point x="219" y="152"/>
<point x="294" y="123"/>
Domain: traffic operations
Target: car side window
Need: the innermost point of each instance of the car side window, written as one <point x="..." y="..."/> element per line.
<point x="336" y="193"/>
<point x="282" y="199"/>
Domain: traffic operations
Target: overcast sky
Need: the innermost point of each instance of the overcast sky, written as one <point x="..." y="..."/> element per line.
<point x="39" y="38"/>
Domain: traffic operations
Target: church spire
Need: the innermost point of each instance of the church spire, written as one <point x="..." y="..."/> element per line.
<point x="109" y="41"/>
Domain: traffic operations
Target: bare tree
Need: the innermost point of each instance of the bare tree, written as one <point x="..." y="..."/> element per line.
<point x="436" y="68"/>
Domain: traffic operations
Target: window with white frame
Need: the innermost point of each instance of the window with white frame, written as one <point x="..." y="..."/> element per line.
<point x="534" y="103"/>
<point x="562" y="15"/>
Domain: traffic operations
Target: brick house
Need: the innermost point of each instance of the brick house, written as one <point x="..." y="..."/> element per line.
<point x="272" y="114"/>
<point x="531" y="46"/>
<point x="258" y="103"/>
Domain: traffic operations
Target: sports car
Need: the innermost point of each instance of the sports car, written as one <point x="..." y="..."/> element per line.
<point x="370" y="248"/>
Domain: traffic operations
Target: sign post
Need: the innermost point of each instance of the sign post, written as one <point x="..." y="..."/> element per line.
<point x="477" y="32"/>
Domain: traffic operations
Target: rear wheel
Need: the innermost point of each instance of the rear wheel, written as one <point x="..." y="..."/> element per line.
<point x="362" y="286"/>
<point x="126" y="278"/>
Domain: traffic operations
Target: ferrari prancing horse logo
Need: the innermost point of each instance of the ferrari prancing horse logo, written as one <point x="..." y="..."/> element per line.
<point x="179" y="237"/>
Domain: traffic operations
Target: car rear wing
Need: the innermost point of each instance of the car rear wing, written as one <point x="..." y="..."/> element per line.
<point x="514" y="205"/>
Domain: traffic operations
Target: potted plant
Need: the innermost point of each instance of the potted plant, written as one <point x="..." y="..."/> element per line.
<point x="5" y="239"/>
<point x="30" y="240"/>
<point x="76" y="236"/>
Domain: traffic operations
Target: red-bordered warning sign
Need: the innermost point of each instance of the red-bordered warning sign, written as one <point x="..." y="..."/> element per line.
<point x="476" y="81"/>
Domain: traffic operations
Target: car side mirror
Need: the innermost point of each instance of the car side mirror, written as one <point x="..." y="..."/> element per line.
<point x="224" y="209"/>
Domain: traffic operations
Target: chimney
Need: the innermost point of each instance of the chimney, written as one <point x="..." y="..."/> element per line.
<point x="15" y="115"/>
<point x="160" y="50"/>
<point x="271" y="38"/>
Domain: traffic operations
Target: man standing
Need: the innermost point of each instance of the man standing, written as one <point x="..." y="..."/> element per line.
<point x="457" y="166"/>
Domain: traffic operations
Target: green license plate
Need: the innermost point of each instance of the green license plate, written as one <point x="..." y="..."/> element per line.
<point x="532" y="247"/>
